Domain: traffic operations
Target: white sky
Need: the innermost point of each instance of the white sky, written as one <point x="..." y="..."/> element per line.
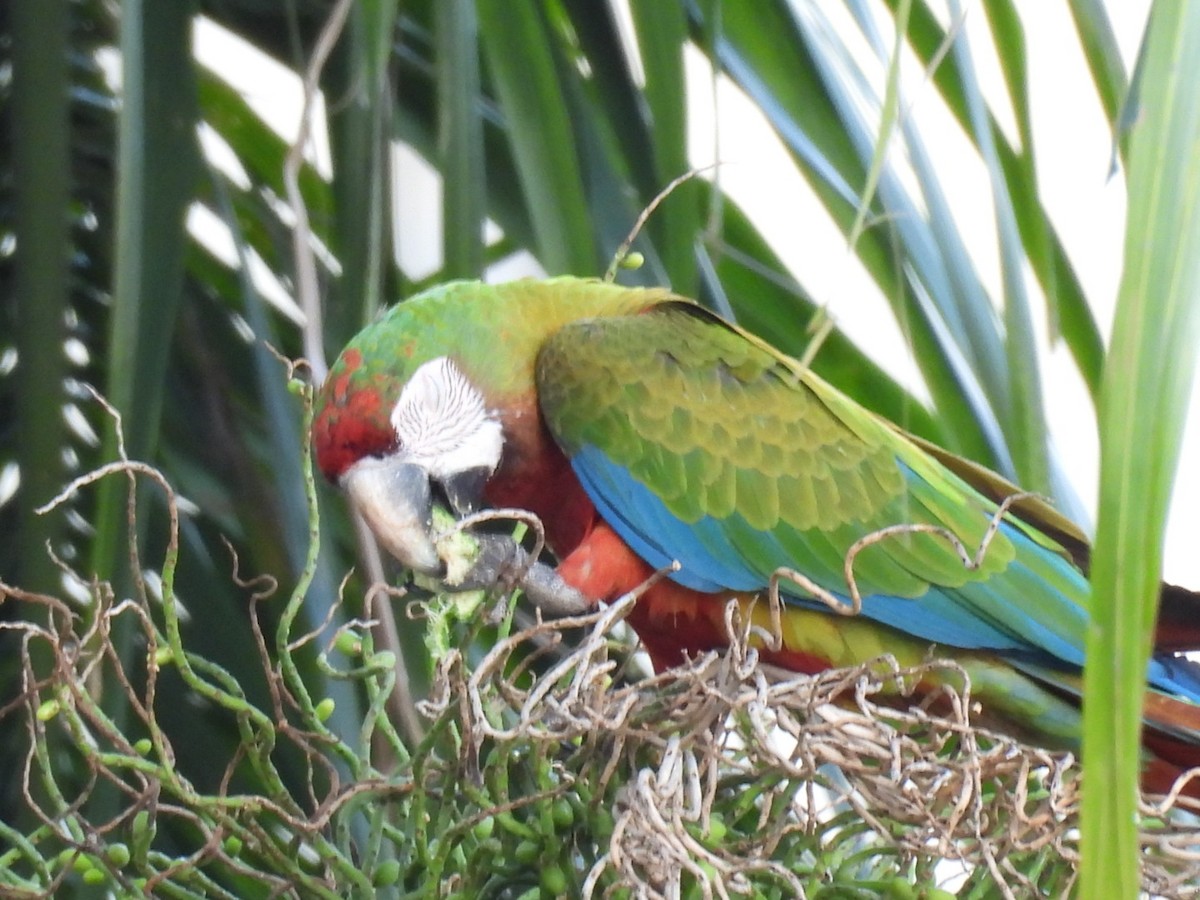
<point x="1073" y="157"/>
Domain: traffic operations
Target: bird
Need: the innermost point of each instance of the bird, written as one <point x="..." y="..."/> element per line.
<point x="650" y="435"/>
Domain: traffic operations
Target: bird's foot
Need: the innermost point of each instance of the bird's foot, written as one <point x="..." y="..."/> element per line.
<point x="502" y="564"/>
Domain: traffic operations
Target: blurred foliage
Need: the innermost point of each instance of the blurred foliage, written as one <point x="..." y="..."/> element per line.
<point x="550" y="119"/>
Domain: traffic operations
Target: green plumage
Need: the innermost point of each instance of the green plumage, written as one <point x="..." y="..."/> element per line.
<point x="713" y="422"/>
<point x="492" y="331"/>
<point x="720" y="425"/>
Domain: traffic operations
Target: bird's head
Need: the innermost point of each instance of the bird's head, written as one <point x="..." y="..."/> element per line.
<point x="424" y="401"/>
<point x="399" y="423"/>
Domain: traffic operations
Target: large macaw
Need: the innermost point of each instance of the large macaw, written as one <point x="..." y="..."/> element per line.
<point x="644" y="430"/>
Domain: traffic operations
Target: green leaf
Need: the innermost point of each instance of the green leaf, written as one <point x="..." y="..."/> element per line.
<point x="359" y="134"/>
<point x="259" y="149"/>
<point x="1103" y="57"/>
<point x="156" y="166"/>
<point x="1147" y="383"/>
<point x="662" y="33"/>
<point x="519" y="49"/>
<point x="460" y="139"/>
<point x="40" y="141"/>
<point x="157" y="175"/>
<point x="1069" y="311"/>
<point x="1025" y="422"/>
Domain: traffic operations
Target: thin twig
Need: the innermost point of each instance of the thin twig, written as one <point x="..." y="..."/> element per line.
<point x="645" y="214"/>
<point x="307" y="290"/>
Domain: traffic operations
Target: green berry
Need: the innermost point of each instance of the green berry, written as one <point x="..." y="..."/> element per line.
<point x="527" y="852"/>
<point x="484" y="827"/>
<point x="387" y="873"/>
<point x="553" y="881"/>
<point x="564" y="813"/>
<point x="118" y="855"/>
<point x="349" y="642"/>
<point x="602" y="823"/>
<point x="48" y="710"/>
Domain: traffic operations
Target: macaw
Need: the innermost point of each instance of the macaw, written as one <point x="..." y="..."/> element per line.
<point x="645" y="431"/>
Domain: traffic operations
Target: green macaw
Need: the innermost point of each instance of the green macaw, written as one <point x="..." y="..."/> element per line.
<point x="644" y="430"/>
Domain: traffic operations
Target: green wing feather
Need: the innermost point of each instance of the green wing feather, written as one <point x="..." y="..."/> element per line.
<point x="754" y="453"/>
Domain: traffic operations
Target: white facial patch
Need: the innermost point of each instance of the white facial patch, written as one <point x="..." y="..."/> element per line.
<point x="442" y="423"/>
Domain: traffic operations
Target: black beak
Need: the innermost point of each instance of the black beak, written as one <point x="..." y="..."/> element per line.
<point x="464" y="490"/>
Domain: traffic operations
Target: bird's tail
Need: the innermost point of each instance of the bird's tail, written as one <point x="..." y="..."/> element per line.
<point x="1172" y="718"/>
<point x="1172" y="737"/>
<point x="1178" y="628"/>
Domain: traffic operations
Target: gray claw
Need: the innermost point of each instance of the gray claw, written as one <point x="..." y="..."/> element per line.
<point x="505" y="563"/>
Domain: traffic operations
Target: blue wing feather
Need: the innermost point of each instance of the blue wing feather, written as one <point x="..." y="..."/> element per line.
<point x="726" y="554"/>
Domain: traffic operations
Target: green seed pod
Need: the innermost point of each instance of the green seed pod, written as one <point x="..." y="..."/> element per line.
<point x="483" y="828"/>
<point x="118" y="854"/>
<point x="491" y="847"/>
<point x="383" y="661"/>
<point x="142" y="835"/>
<point x="899" y="888"/>
<point x="386" y="874"/>
<point x="716" y="828"/>
<point x="553" y="881"/>
<point x="564" y="813"/>
<point x="527" y="852"/>
<point x="349" y="642"/>
<point x="324" y="709"/>
<point x="602" y="823"/>
<point x="48" y="710"/>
